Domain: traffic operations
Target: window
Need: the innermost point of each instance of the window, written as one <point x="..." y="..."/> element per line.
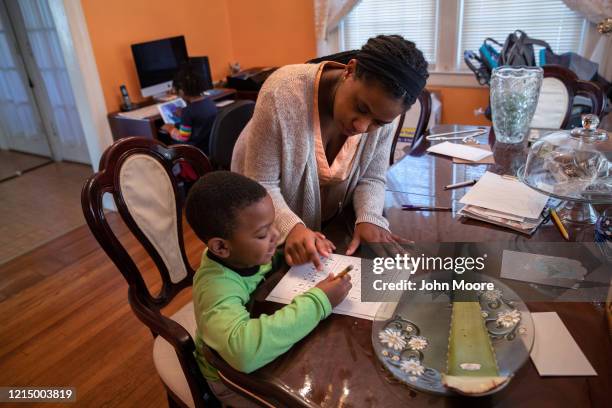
<point x="548" y="20"/>
<point x="443" y="29"/>
<point x="414" y="20"/>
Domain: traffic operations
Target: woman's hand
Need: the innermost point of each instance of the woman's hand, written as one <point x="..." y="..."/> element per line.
<point x="366" y="232"/>
<point x="304" y="245"/>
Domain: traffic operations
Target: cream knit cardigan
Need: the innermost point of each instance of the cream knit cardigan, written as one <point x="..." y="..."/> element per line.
<point x="277" y="149"/>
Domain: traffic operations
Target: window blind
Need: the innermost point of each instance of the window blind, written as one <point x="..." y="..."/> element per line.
<point x="415" y="20"/>
<point x="548" y="20"/>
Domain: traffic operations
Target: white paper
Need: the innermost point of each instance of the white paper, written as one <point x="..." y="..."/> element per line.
<point x="460" y="151"/>
<point x="555" y="352"/>
<point x="485" y="212"/>
<point x="509" y="196"/>
<point x="303" y="277"/>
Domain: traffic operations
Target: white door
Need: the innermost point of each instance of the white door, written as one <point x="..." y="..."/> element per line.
<point x="21" y="127"/>
<point x="37" y="35"/>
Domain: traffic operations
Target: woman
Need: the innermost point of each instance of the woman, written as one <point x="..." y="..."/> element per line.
<point x="321" y="137"/>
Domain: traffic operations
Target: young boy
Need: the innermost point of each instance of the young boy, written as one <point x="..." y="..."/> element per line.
<point x="198" y="116"/>
<point x="234" y="216"/>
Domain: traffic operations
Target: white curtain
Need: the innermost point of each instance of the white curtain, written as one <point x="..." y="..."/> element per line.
<point x="595" y="11"/>
<point x="328" y="14"/>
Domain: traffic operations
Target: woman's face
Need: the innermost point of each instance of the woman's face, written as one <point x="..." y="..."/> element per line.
<point x="363" y="106"/>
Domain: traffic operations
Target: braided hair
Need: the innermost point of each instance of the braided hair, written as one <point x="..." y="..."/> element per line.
<point x="394" y="62"/>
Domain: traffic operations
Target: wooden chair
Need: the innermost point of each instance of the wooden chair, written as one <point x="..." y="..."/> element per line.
<point x="559" y="88"/>
<point x="421" y="110"/>
<point x="594" y="93"/>
<point x="138" y="173"/>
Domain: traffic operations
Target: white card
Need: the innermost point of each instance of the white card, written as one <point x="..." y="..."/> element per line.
<point x="460" y="150"/>
<point x="555" y="352"/>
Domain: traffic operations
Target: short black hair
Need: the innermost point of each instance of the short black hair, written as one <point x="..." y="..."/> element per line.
<point x="190" y="80"/>
<point x="214" y="201"/>
<point x="392" y="61"/>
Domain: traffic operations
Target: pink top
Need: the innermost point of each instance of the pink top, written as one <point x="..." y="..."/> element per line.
<point x="340" y="170"/>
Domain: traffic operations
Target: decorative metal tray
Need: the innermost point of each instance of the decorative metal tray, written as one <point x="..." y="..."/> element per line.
<point x="411" y="337"/>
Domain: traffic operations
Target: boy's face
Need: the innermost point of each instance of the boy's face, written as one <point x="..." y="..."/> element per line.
<point x="254" y="238"/>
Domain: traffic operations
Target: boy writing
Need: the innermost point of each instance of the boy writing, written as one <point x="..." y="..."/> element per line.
<point x="234" y="216"/>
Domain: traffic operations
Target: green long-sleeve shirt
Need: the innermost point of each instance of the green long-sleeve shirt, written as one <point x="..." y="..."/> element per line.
<point x="220" y="296"/>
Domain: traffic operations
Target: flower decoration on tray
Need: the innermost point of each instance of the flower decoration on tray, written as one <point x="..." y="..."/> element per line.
<point x="403" y="348"/>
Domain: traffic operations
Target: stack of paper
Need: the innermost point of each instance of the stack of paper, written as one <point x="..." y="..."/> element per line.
<point x="303" y="277"/>
<point x="504" y="201"/>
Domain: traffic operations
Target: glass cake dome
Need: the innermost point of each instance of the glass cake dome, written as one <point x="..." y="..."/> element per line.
<point x="573" y="167"/>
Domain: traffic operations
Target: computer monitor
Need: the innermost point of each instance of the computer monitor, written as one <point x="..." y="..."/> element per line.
<point x="157" y="63"/>
<point x="202" y="65"/>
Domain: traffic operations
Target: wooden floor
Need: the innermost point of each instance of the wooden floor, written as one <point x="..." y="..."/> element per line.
<point x="39" y="206"/>
<point x="15" y="163"/>
<point x="66" y="322"/>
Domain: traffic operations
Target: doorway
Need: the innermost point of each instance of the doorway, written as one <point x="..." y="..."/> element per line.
<point x="38" y="114"/>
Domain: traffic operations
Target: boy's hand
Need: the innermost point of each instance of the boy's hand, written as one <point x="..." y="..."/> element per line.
<point x="304" y="245"/>
<point x="336" y="289"/>
<point x="167" y="128"/>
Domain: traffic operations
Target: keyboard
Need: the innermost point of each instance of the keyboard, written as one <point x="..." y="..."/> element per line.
<point x="141" y="113"/>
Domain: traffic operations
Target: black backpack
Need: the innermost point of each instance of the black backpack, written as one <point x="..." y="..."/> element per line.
<point x="518" y="49"/>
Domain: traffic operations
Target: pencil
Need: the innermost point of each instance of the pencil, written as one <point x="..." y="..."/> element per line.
<point x="344" y="271"/>
<point x="462" y="184"/>
<point x="559" y="224"/>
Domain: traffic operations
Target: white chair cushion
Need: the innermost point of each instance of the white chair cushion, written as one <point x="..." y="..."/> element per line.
<point x="166" y="361"/>
<point x="149" y="196"/>
<point x="552" y="105"/>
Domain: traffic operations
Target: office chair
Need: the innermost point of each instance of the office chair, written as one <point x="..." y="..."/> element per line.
<point x="225" y="131"/>
<point x="137" y="172"/>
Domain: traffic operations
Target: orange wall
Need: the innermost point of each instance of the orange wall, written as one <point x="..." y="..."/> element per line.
<point x="459" y="104"/>
<point x="254" y="33"/>
<point x="116" y="24"/>
<point x="272" y="32"/>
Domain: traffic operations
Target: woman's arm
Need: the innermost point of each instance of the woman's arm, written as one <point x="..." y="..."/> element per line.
<point x="369" y="195"/>
<point x="369" y="201"/>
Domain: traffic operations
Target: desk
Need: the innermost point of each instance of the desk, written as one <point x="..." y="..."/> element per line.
<point x="335" y="365"/>
<point x="122" y="126"/>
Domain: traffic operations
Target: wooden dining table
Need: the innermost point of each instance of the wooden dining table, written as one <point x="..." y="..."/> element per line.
<point x="335" y="365"/>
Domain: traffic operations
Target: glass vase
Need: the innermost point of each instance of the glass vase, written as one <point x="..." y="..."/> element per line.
<point x="514" y="97"/>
